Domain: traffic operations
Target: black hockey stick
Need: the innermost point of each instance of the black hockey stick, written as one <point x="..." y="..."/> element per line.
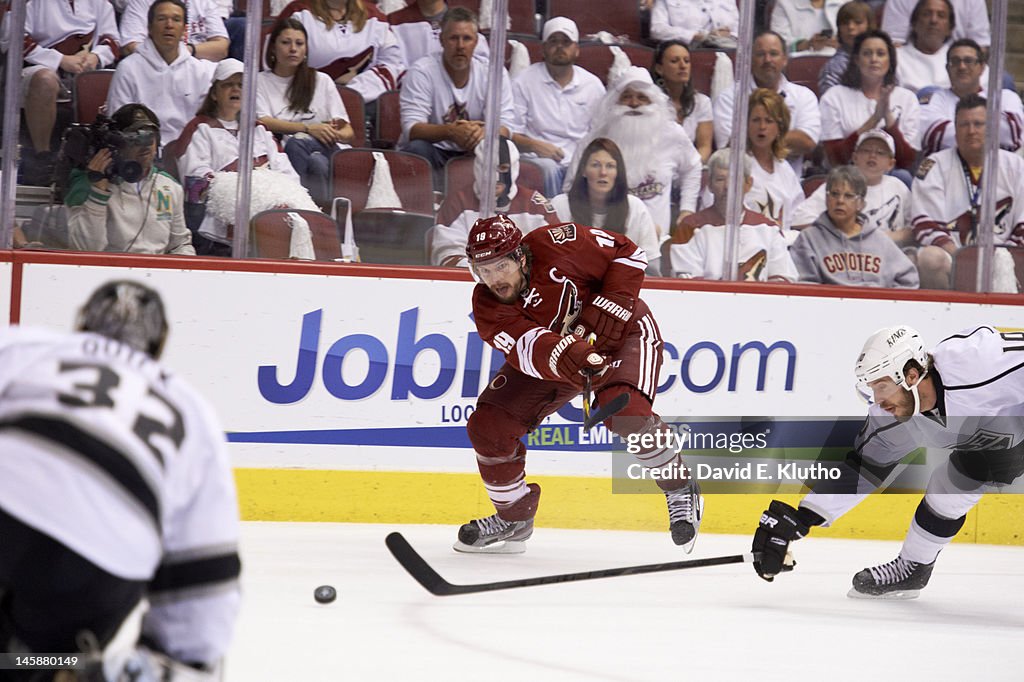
<point x="605" y="410"/>
<point x="426" y="576"/>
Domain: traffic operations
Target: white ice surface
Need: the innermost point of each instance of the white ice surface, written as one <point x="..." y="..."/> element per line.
<point x="706" y="624"/>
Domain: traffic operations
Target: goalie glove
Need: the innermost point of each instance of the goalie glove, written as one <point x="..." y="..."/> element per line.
<point x="607" y="317"/>
<point x="780" y="525"/>
<point x="571" y="356"/>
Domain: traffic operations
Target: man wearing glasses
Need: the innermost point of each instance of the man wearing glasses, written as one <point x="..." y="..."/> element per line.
<point x="965" y="63"/>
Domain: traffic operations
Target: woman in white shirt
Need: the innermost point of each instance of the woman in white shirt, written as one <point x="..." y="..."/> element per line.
<point x="777" y="190"/>
<point x="599" y="197"/>
<point x="866" y="98"/>
<point x="302" y="106"/>
<point x="807" y="25"/>
<point x="673" y="73"/>
<point x="209" y="146"/>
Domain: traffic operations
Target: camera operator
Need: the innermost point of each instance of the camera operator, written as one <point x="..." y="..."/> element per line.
<point x="120" y="201"/>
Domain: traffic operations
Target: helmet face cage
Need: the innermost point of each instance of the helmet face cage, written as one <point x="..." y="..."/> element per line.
<point x="129" y="312"/>
<point x="886" y="354"/>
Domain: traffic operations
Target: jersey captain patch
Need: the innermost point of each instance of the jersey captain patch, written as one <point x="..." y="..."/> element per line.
<point x="562" y="234"/>
<point x="925" y="166"/>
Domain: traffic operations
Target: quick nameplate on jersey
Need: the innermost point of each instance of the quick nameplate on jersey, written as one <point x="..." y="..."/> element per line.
<point x="563" y="233"/>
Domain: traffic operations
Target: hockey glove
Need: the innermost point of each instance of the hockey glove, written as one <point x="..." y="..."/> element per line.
<point x="780" y="525"/>
<point x="607" y="317"/>
<point x="572" y="356"/>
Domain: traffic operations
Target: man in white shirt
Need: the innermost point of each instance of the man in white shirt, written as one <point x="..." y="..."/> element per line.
<point x="965" y="63"/>
<point x="163" y="74"/>
<point x="444" y="95"/>
<point x="946" y="197"/>
<point x="971" y="20"/>
<point x="708" y="23"/>
<point x="205" y="35"/>
<point x="417" y="28"/>
<point x="922" y="60"/>
<point x="767" y="68"/>
<point x="553" y="103"/>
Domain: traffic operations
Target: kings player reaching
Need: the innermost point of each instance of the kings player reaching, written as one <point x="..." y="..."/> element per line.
<point x="539" y="298"/>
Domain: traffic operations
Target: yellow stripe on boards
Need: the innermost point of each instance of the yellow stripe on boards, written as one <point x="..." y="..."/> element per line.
<point x="570" y="502"/>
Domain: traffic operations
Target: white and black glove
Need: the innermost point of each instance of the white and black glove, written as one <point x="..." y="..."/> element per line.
<point x="606" y="316"/>
<point x="780" y="525"/>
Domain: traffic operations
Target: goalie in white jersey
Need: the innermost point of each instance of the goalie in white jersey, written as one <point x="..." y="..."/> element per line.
<point x="966" y="396"/>
<point x="115" y="485"/>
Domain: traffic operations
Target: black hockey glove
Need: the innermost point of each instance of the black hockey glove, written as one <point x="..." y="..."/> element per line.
<point x="780" y="525"/>
<point x="572" y="356"/>
<point x="607" y="317"/>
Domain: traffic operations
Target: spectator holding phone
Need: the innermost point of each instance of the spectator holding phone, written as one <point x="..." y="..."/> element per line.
<point x="807" y="25"/>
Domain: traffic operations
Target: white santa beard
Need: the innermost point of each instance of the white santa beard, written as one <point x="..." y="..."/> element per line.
<point x="636" y="138"/>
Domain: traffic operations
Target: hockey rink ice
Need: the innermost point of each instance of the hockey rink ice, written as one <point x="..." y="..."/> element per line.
<point x="704" y="624"/>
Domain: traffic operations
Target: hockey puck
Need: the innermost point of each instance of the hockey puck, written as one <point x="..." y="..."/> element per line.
<point x="324" y="594"/>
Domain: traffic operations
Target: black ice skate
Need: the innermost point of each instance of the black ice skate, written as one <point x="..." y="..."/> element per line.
<point x="898" y="579"/>
<point x="497" y="535"/>
<point x="685" y="509"/>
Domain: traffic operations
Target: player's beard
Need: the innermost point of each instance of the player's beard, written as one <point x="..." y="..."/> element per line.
<point x="635" y="133"/>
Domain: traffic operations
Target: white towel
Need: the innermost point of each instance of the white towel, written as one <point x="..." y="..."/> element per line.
<point x="1004" y="273"/>
<point x="301" y="245"/>
<point x="520" y="58"/>
<point x="723" y="77"/>
<point x="620" y="62"/>
<point x="382" y="188"/>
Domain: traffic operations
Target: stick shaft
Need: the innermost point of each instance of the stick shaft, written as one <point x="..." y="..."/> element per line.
<point x="426" y="576"/>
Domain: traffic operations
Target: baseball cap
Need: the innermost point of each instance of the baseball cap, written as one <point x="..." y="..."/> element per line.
<point x="877" y="134"/>
<point x="133" y="117"/>
<point x="226" y="68"/>
<point x="561" y="25"/>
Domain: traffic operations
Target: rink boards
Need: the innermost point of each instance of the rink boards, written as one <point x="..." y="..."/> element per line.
<point x="344" y="389"/>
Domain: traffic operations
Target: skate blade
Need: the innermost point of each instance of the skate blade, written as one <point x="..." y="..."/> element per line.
<point x="503" y="547"/>
<point x="898" y="595"/>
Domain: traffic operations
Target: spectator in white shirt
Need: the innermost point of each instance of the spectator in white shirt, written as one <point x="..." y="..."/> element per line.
<point x="673" y="73"/>
<point x="205" y="34"/>
<point x="777" y="191"/>
<point x="922" y="60"/>
<point x="972" y="20"/>
<point x="553" y="103"/>
<point x="698" y="23"/>
<point x="807" y="25"/>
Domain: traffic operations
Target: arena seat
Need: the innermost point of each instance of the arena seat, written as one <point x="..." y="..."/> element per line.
<point x="618" y="17"/>
<point x="965" y="266"/>
<point x="90" y="93"/>
<point x="522" y="14"/>
<point x="804" y="70"/>
<point x="388" y="127"/>
<point x="458" y="173"/>
<point x="596" y="58"/>
<point x="356" y="108"/>
<point x="272" y="235"/>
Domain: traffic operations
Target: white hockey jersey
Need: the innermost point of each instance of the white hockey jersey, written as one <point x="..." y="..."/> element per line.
<point x="938" y="110"/>
<point x="115" y="457"/>
<point x="979" y="377"/>
<point x="942" y="207"/>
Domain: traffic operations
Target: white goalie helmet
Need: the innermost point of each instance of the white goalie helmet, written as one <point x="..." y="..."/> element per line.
<point x="886" y="354"/>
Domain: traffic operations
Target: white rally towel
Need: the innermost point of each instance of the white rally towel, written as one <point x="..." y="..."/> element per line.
<point x="382" y="188"/>
<point x="723" y="78"/>
<point x="620" y="62"/>
<point x="486" y="10"/>
<point x="301" y="245"/>
<point x="520" y="58"/>
<point x="269" y="189"/>
<point x="1004" y="273"/>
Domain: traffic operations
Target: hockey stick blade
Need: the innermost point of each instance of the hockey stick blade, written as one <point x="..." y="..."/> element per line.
<point x="426" y="576"/>
<point x="605" y="410"/>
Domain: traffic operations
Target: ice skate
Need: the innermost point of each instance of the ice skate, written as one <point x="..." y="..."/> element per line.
<point x="497" y="535"/>
<point x="685" y="509"/>
<point x="898" y="579"/>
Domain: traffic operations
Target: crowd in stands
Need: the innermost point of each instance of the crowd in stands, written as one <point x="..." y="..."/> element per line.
<point x="864" y="134"/>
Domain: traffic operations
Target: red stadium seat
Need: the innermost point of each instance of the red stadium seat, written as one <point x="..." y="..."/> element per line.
<point x="812" y="183"/>
<point x="618" y="17"/>
<point x="805" y="70"/>
<point x="965" y="267"/>
<point x="702" y="68"/>
<point x="387" y="235"/>
<point x="534" y="47"/>
<point x="356" y="108"/>
<point x="91" y="94"/>
<point x="272" y="234"/>
<point x="389" y="120"/>
<point x="458" y="173"/>
<point x="597" y="58"/>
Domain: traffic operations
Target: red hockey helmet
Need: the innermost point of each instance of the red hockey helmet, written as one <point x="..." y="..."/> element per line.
<point x="492" y="238"/>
